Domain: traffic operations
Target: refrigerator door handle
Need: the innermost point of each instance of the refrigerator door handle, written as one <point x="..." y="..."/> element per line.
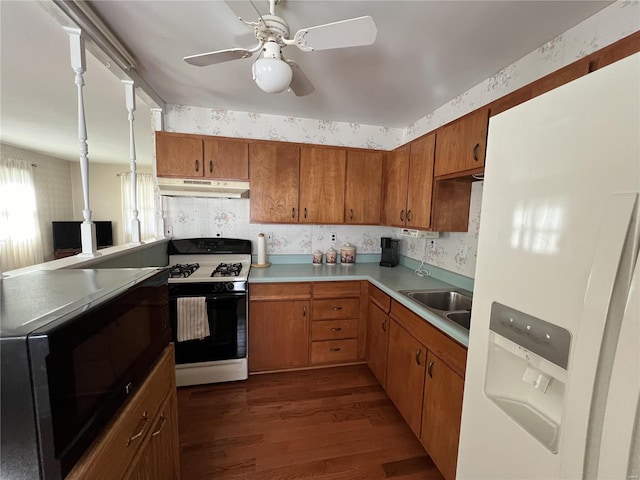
<point x="606" y="294"/>
<point x="620" y="448"/>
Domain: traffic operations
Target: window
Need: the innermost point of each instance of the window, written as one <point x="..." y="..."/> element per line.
<point x="20" y="244"/>
<point x="146" y="205"/>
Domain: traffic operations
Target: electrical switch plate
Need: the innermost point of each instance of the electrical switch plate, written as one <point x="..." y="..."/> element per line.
<point x="168" y="231"/>
<point x="462" y="252"/>
<point x="218" y="234"/>
<point x="432" y="244"/>
<point x="334" y="237"/>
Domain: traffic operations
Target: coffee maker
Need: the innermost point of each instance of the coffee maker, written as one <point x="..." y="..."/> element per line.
<point x="390" y="254"/>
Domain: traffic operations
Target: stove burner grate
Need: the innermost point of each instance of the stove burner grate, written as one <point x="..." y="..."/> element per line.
<point x="181" y="270"/>
<point x="227" y="270"/>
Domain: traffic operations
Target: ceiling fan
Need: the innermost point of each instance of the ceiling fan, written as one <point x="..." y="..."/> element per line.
<point x="271" y="71"/>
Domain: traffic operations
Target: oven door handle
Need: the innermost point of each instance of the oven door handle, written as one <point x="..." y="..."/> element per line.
<point x="214" y="297"/>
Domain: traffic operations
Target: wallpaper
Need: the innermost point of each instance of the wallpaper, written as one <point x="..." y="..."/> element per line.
<point x="455" y="252"/>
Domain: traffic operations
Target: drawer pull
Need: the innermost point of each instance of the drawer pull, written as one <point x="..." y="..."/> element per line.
<point x="402" y="215"/>
<point x="418" y="356"/>
<point x="304" y="311"/>
<point x="197" y="166"/>
<point x="430" y="369"/>
<point x="351" y="216"/>
<point x="141" y="426"/>
<point x="475" y="152"/>
<point x="384" y="325"/>
<point x="336" y="308"/>
<point x="305" y="212"/>
<point x="335" y="349"/>
<point x="293" y="212"/>
<point x="210" y="166"/>
<point x="336" y="329"/>
<point x="162" y="421"/>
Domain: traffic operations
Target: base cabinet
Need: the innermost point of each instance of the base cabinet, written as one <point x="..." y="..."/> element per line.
<point x="377" y="339"/>
<point x="441" y="415"/>
<point x="142" y="440"/>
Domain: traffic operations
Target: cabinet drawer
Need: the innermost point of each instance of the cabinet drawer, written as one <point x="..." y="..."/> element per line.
<point x="336" y="308"/>
<point x="336" y="289"/>
<point x="334" y="351"/>
<point x="115" y="449"/>
<point x="380" y="298"/>
<point x="279" y="291"/>
<point x="334" y="329"/>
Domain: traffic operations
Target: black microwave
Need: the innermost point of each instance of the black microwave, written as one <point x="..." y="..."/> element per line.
<point x="74" y="345"/>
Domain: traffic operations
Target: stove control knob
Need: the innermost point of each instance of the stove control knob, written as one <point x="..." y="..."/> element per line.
<point x="217" y="287"/>
<point x="229" y="286"/>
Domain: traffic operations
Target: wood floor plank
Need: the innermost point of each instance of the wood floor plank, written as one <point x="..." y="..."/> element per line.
<point x="329" y="424"/>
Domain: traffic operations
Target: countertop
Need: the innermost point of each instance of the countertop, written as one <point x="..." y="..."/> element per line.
<point x="388" y="279"/>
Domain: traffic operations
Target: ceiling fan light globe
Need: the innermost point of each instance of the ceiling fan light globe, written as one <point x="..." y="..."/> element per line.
<point x="272" y="75"/>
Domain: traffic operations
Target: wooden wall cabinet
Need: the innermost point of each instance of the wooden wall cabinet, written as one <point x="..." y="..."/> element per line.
<point x="142" y="440"/>
<point x="274" y="175"/>
<point x="322" y="174"/>
<point x="363" y="188"/>
<point x="461" y="145"/>
<point x="378" y="333"/>
<point x="407" y="184"/>
<point x="194" y="156"/>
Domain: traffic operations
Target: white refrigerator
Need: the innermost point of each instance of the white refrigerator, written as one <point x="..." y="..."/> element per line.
<point x="552" y="384"/>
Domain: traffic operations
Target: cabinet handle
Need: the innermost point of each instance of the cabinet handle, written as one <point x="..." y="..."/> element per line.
<point x="162" y="421"/>
<point x="475" y="152"/>
<point x="418" y="356"/>
<point x="197" y="165"/>
<point x="141" y="426"/>
<point x="430" y="369"/>
<point x="402" y="215"/>
<point x="293" y="212"/>
<point x="384" y="325"/>
<point x="210" y="166"/>
<point x="335" y="349"/>
<point x="336" y="308"/>
<point x="305" y="212"/>
<point x="408" y="215"/>
<point x="351" y="213"/>
<point x="336" y="329"/>
<point x="304" y="311"/>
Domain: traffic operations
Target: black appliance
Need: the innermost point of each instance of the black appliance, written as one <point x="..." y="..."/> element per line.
<point x="74" y="345"/>
<point x="66" y="235"/>
<point x="390" y="254"/>
<point x="215" y="271"/>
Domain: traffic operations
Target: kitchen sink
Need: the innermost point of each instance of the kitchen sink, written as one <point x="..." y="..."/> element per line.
<point x="451" y="305"/>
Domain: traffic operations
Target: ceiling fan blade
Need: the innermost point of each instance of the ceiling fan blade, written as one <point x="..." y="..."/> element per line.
<point x="346" y="33"/>
<point x="219" y="56"/>
<point x="300" y="84"/>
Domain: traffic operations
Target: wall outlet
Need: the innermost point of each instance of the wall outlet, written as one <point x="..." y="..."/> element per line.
<point x="269" y="236"/>
<point x="462" y="252"/>
<point x="431" y="244"/>
<point x="334" y="237"/>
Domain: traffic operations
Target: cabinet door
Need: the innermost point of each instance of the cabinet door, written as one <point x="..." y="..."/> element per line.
<point x="159" y="459"/>
<point x="461" y="145"/>
<point x="441" y="416"/>
<point x="377" y="341"/>
<point x="395" y="169"/>
<point x="420" y="182"/>
<point x="178" y="155"/>
<point x="226" y="159"/>
<point x="322" y="174"/>
<point x="273" y="174"/>
<point x="278" y="335"/>
<point x="406" y="361"/>
<point x="363" y="192"/>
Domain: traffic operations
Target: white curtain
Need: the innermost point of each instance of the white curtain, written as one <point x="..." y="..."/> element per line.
<point x="20" y="241"/>
<point x="146" y="205"/>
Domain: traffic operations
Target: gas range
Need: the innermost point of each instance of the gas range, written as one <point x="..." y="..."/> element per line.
<point x="209" y="260"/>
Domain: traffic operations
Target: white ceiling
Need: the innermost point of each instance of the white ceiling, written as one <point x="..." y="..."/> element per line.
<point x="426" y="53"/>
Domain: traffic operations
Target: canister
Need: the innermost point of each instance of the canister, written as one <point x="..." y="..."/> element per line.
<point x="347" y="254"/>
<point x="317" y="258"/>
<point x="331" y="256"/>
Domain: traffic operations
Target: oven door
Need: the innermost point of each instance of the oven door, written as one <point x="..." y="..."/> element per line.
<point x="227" y="317"/>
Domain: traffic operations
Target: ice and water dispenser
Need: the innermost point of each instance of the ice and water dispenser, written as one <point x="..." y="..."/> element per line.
<point x="526" y="373"/>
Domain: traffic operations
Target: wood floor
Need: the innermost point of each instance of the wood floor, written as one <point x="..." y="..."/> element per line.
<point x="333" y="423"/>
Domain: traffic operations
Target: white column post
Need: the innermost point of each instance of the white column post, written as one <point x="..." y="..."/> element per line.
<point x="88" y="228"/>
<point x="161" y="220"/>
<point x="130" y="101"/>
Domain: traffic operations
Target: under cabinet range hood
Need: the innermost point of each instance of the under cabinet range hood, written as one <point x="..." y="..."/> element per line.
<point x="189" y="187"/>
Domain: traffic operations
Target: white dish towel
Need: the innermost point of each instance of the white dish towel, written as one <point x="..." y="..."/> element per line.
<point x="193" y="323"/>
